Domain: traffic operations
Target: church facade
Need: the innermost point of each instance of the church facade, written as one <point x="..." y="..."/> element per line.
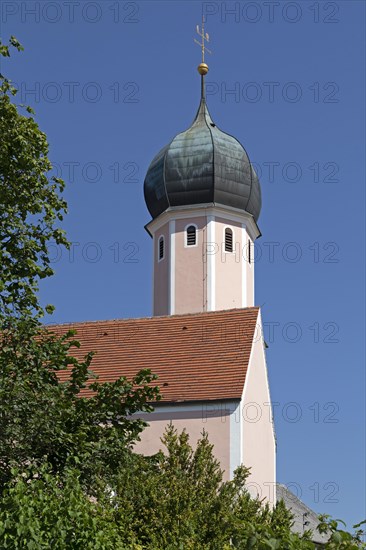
<point x="205" y="339"/>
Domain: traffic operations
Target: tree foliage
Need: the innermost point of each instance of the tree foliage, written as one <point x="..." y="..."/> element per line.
<point x="45" y="420"/>
<point x="43" y="510"/>
<point x="173" y="500"/>
<point x="30" y="204"/>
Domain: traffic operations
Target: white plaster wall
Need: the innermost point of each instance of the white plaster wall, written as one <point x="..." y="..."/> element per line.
<point x="258" y="436"/>
<point x="249" y="267"/>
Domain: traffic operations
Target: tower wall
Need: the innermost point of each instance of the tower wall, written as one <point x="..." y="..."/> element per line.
<point x="230" y="272"/>
<point x="202" y="277"/>
<point x="249" y="250"/>
<point x="190" y="267"/>
<point x="161" y="273"/>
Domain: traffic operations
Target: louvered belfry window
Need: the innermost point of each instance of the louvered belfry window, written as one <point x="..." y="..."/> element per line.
<point x="191" y="235"/>
<point x="161" y="248"/>
<point x="228" y="240"/>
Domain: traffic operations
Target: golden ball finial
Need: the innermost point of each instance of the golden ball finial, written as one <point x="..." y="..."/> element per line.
<point x="202" y="69"/>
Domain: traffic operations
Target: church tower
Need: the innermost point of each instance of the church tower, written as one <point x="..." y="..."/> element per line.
<point x="204" y="198"/>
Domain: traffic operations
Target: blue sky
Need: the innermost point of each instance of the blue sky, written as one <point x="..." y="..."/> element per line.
<point x="112" y="82"/>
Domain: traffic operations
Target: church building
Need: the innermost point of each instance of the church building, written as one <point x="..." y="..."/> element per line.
<point x="205" y="338"/>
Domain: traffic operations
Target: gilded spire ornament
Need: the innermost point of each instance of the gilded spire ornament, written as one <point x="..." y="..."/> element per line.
<point x="203" y="67"/>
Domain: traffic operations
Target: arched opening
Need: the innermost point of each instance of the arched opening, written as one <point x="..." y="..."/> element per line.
<point x="191" y="235"/>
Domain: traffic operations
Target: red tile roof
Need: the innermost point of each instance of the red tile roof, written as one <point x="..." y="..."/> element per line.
<point x="201" y="356"/>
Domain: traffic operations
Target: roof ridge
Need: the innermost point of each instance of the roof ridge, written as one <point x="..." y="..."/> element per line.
<point x="157" y="317"/>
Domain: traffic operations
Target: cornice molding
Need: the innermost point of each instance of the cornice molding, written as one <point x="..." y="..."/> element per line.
<point x="209" y="209"/>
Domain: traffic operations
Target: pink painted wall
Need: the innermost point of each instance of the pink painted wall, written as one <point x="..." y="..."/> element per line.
<point x="228" y="292"/>
<point x="259" y="447"/>
<point x="232" y="277"/>
<point x="215" y="420"/>
<point x="161" y="273"/>
<point x="190" y="270"/>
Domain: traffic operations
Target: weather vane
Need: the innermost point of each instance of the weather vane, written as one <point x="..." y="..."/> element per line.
<point x="203" y="67"/>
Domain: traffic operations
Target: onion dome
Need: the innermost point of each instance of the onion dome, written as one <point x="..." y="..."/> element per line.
<point x="202" y="165"/>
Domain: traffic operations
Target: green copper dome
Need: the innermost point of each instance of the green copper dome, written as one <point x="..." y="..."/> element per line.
<point x="202" y="165"/>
